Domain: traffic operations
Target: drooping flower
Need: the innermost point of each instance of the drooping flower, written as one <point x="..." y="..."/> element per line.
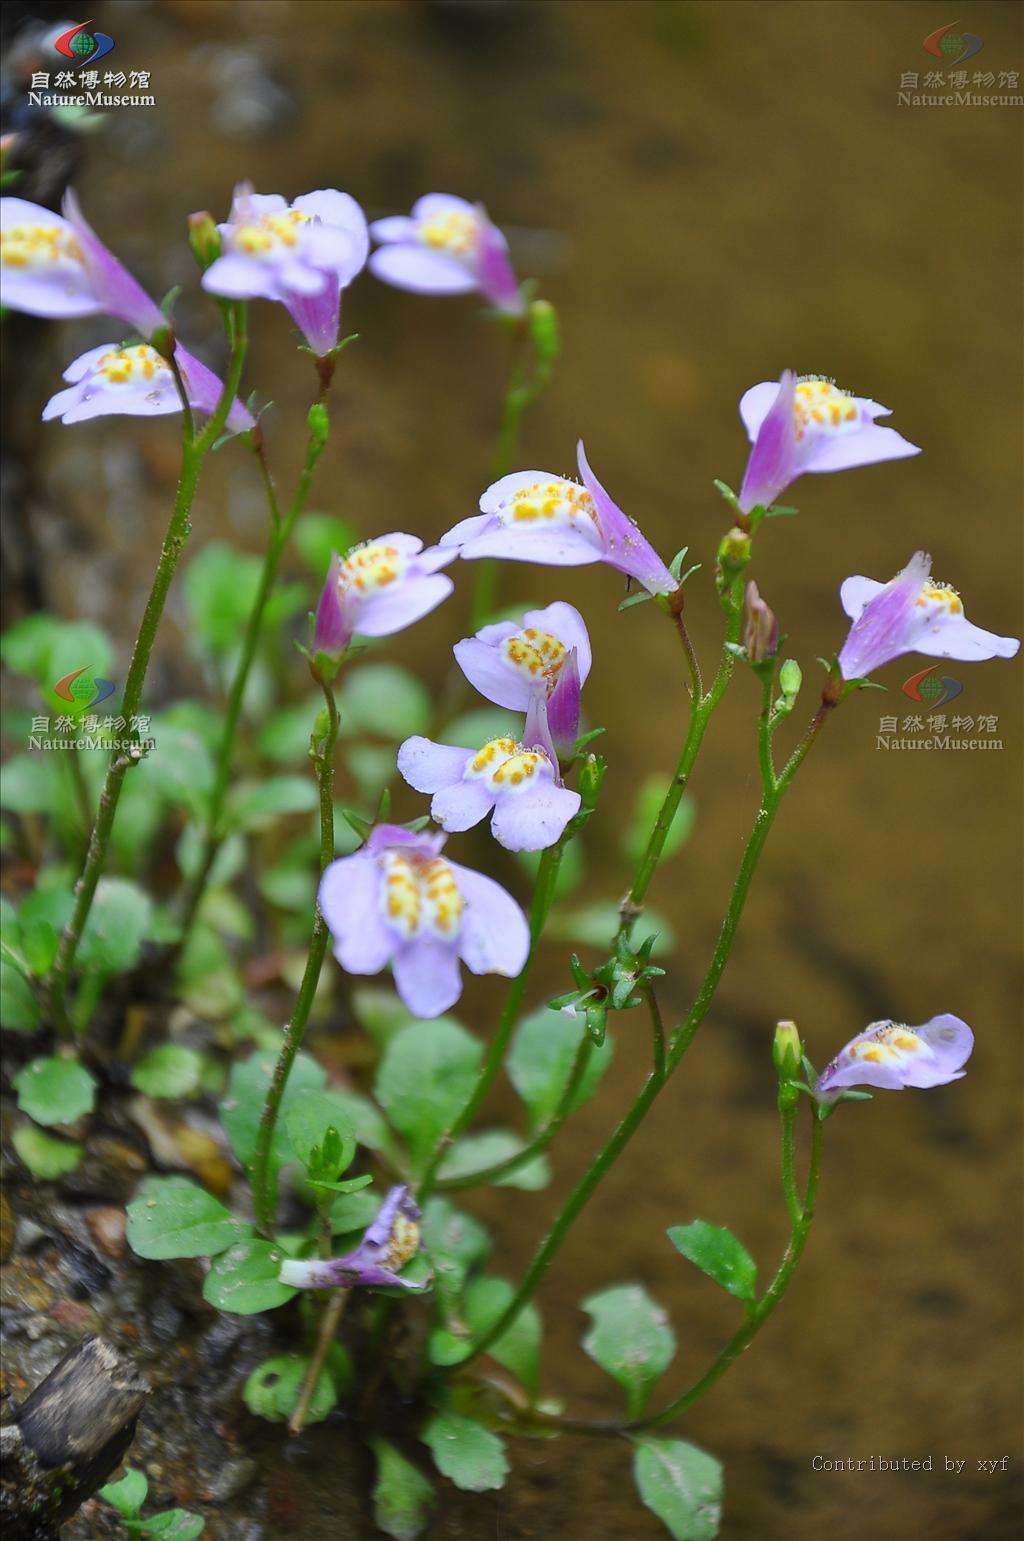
<point x="517" y="780"/>
<point x="390" y="1242"/>
<point x="378" y="588"/>
<point x="58" y="267"/>
<point x="446" y="246"/>
<point x="534" y="516"/>
<point x="546" y="651"/>
<point x="137" y="381"/>
<point x="399" y="901"/>
<point x="911" y="614"/>
<point x="301" y="254"/>
<point x="892" y="1056"/>
<point x="808" y="424"/>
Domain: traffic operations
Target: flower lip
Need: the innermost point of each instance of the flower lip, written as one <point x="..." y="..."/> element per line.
<point x="137" y="381"/>
<point x="446" y="246"/>
<point x="507" y="661"/>
<point x="389" y="1243"/>
<point x="891" y="1056"/>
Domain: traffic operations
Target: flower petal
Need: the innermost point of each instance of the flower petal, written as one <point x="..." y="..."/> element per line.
<point x="869" y="445"/>
<point x="349" y="901"/>
<point x="560" y="547"/>
<point x="624" y="546"/>
<point x="775" y="459"/>
<point x="533" y="820"/>
<point x="428" y="766"/>
<point x="495" y="937"/>
<point x="487" y="672"/>
<point x="462" y="805"/>
<point x="427" y="976"/>
<point x="856" y="593"/>
<point x="564" y="622"/>
<point x="238" y="277"/>
<point x="421" y="270"/>
<point x="385" y="613"/>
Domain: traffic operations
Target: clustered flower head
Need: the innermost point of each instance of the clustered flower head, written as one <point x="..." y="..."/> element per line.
<point x="911" y="614"/>
<point x="399" y="901"/>
<point x="809" y="424"/>
<point x="378" y="588"/>
<point x="892" y="1056"/>
<point x="446" y="246"/>
<point x="137" y="381"/>
<point x="301" y="254"/>
<point x="389" y="1243"/>
<point x="535" y="516"/>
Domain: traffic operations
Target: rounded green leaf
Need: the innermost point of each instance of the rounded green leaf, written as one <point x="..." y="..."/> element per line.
<point x="19" y="1008"/>
<point x="466" y="1453"/>
<point x="719" y="1254"/>
<point x="171" y="1070"/>
<point x="631" y="1338"/>
<point x="242" y="1108"/>
<point x="55" y="1090"/>
<point x="45" y="1156"/>
<point x="128" y="1495"/>
<point x="477" y="1152"/>
<point x="518" y="1348"/>
<point x="426" y="1075"/>
<point x="540" y="1062"/>
<point x="681" y="1485"/>
<point x="272" y="1390"/>
<point x="307" y="1120"/>
<point x="402" y="1495"/>
<point x="174" y="1217"/>
<point x="117" y="925"/>
<point x="244" y="1279"/>
<point x="384" y="699"/>
<point x="253" y="804"/>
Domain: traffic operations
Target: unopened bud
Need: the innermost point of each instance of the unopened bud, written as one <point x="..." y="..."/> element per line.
<point x="545" y="331"/>
<point x="760" y="629"/>
<point x="204" y="239"/>
<point x="790" y="679"/>
<point x="734" y="551"/>
<point x="591" y="776"/>
<point x="319" y="424"/>
<point x="787" y="1050"/>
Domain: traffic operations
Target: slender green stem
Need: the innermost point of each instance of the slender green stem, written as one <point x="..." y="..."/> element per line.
<point x="330" y="1317"/>
<point x="787" y="1120"/>
<point x="193" y="454"/>
<point x="281" y="530"/>
<point x="764" y="733"/>
<point x="82" y="797"/>
<point x="263" y="1171"/>
<point x="658" y="1030"/>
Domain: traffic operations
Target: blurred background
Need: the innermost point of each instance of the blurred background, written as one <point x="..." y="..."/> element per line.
<point x="708" y="193"/>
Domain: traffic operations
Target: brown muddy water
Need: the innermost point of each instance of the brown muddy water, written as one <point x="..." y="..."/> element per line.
<point x="708" y="193"/>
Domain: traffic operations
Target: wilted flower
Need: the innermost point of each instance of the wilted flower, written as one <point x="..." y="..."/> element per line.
<point x="58" y="267"/>
<point x="547" y="651"/>
<point x="809" y="425"/>
<point x="138" y="382"/>
<point x="533" y="516"/>
<point x="892" y="1056"/>
<point x="301" y="254"/>
<point x="911" y="614"/>
<point x="378" y="588"/>
<point x="446" y="246"/>
<point x="389" y="1243"/>
<point x="760" y="628"/>
<point x="518" y="780"/>
<point x="399" y="901"/>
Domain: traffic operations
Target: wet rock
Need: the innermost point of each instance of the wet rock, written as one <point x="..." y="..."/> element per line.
<point x="8" y="1227"/>
<point x="233" y="1478"/>
<point x="110" y="1170"/>
<point x="107" y="1228"/>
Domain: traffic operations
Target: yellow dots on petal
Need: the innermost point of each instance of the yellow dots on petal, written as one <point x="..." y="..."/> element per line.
<point x="420" y="893"/>
<point x="496" y="749"/>
<point x="269" y="234"/>
<point x="535" y="655"/>
<point x="403" y="1243"/>
<point x="373" y="567"/>
<point x="555" y="504"/>
<point x="942" y="595"/>
<point x="820" y="406"/>
<point x="456" y="232"/>
<point x="518" y="770"/>
<point x="126" y="366"/>
<point x="39" y="246"/>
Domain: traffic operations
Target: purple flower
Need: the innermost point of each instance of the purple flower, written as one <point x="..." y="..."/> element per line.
<point x="547" y="651"/>
<point x="301" y="254"/>
<point x="892" y="1056"/>
<point x="446" y="246"/>
<point x="58" y="267"/>
<point x="137" y="382"/>
<point x="399" y="901"/>
<point x="380" y="587"/>
<point x="519" y="782"/>
<point x="911" y="614"/>
<point x="533" y="516"/>
<point x="809" y="425"/>
<point x="388" y="1244"/>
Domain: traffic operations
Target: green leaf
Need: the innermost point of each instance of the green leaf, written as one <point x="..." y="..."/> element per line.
<point x="466" y="1453"/>
<point x="28" y="784"/>
<point x="128" y="1495"/>
<point x="364" y="1120"/>
<point x="719" y="1254"/>
<point x="384" y="699"/>
<point x="478" y="727"/>
<point x="318" y="536"/>
<point x="19" y="1009"/>
<point x="172" y="1070"/>
<point x="681" y="1485"/>
<point x="518" y="1348"/>
<point x="541" y="1058"/>
<point x="174" y="1217"/>
<point x="595" y="924"/>
<point x="220" y="586"/>
<point x="254" y="804"/>
<point x="284" y="736"/>
<point x="307" y="1121"/>
<point x="118" y="924"/>
<point x="402" y="1496"/>
<point x="45" y="1156"/>
<point x="179" y="771"/>
<point x="172" y="1525"/>
<point x="427" y="1072"/>
<point x="272" y="1390"/>
<point x="648" y="803"/>
<point x="244" y="1279"/>
<point x="353" y="1211"/>
<point x="381" y="1012"/>
<point x="630" y="1338"/>
<point x="247" y="1089"/>
<point x="476" y="1152"/>
<point x="455" y="1244"/>
<point x="55" y="1090"/>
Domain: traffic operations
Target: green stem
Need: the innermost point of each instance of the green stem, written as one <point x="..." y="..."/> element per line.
<point x="787" y="1119"/>
<point x="764" y="733"/>
<point x="193" y="454"/>
<point x="263" y="1172"/>
<point x="281" y="530"/>
<point x="658" y="1030"/>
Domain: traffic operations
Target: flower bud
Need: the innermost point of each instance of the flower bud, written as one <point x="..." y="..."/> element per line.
<point x="790" y="679"/>
<point x="761" y="629"/>
<point x="319" y="425"/>
<point x="204" y="239"/>
<point x="734" y="551"/>
<point x="332" y="628"/>
<point x="544" y="331"/>
<point x="591" y="776"/>
<point x="787" y="1050"/>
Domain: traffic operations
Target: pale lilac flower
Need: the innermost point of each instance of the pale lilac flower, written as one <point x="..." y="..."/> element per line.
<point x="518" y="781"/>
<point x="533" y="516"/>
<point x="446" y="246"/>
<point x="546" y="651"/>
<point x="301" y="254"/>
<point x="378" y="588"/>
<point x="809" y="425"/>
<point x="58" y="267"/>
<point x="892" y="1056"/>
<point x="911" y="614"/>
<point x="390" y="1242"/>
<point x="399" y="901"/>
<point x="136" y="381"/>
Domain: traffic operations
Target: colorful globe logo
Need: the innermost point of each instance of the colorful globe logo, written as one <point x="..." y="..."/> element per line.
<point x="951" y="46"/>
<point x="83" y="46"/>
